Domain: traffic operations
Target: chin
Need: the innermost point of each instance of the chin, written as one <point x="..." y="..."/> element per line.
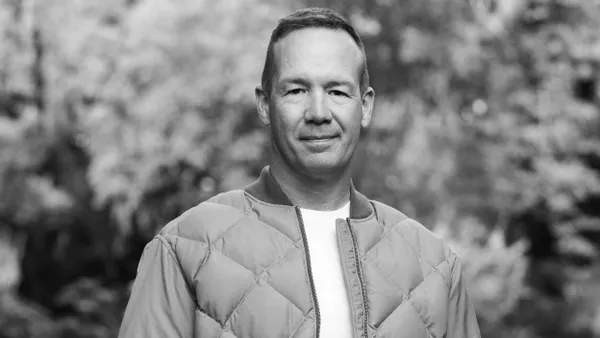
<point x="318" y="168"/>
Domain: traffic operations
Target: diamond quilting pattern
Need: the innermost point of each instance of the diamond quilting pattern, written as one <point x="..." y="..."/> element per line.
<point x="265" y="313"/>
<point x="190" y="224"/>
<point x="430" y="300"/>
<point x="401" y="323"/>
<point x="396" y="262"/>
<point x="235" y="244"/>
<point x="191" y="253"/>
<point x="220" y="285"/>
<point x="306" y="329"/>
<point x="426" y="268"/>
<point x="235" y="266"/>
<point x="283" y="219"/>
<point x="428" y="246"/>
<point x="369" y="235"/>
<point x="288" y="277"/>
<point x="383" y="298"/>
<point x="231" y="284"/>
<point x="262" y="290"/>
<point x="405" y="282"/>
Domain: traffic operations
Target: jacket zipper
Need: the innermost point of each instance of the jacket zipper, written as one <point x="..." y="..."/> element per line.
<point x="360" y="279"/>
<point x="309" y="267"/>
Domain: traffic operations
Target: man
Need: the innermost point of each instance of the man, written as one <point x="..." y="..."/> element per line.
<point x="300" y="252"/>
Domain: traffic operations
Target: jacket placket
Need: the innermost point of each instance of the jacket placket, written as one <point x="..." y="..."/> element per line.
<point x="309" y="268"/>
<point x="353" y="277"/>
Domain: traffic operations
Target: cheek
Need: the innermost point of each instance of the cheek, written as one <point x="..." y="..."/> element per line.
<point x="352" y="120"/>
<point x="284" y="127"/>
<point x="286" y="118"/>
<point x="282" y="131"/>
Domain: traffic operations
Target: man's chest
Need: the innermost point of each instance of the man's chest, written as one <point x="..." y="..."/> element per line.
<point x="256" y="281"/>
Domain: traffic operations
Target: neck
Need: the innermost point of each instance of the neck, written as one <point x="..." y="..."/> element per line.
<point x="329" y="192"/>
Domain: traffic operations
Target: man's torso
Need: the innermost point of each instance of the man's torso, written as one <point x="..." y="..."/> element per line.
<point x="246" y="262"/>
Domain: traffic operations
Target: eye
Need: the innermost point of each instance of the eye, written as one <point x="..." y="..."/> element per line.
<point x="295" y="91"/>
<point x="338" y="93"/>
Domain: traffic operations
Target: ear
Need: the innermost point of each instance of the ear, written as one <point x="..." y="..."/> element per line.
<point x="262" y="105"/>
<point x="367" y="107"/>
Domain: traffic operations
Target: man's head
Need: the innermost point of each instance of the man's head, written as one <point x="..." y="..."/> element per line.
<point x="311" y="18"/>
<point x="315" y="95"/>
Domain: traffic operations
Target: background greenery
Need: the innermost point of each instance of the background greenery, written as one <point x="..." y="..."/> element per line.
<point x="117" y="115"/>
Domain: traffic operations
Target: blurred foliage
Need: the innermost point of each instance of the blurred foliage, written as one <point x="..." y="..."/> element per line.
<point x="116" y="116"/>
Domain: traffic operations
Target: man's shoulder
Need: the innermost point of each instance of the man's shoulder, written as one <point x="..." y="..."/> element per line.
<point x="422" y="241"/>
<point x="219" y="211"/>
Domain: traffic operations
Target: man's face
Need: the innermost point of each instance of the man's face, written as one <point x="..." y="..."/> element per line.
<point x="315" y="109"/>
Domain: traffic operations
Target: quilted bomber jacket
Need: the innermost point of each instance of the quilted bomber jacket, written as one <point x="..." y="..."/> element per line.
<point x="238" y="265"/>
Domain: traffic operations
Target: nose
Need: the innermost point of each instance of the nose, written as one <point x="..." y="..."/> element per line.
<point x="317" y="112"/>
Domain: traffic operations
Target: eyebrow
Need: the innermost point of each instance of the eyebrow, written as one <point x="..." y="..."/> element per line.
<point x="339" y="84"/>
<point x="294" y="80"/>
<point x="328" y="84"/>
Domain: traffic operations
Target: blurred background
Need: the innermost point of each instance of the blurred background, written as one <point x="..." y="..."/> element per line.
<point x="117" y="115"/>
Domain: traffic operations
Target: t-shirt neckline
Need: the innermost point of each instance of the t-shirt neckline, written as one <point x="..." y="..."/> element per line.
<point x="341" y="209"/>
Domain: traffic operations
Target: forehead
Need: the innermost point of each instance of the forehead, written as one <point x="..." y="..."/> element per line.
<point x="318" y="53"/>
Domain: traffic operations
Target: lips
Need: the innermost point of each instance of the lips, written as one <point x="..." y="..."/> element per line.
<point x="318" y="137"/>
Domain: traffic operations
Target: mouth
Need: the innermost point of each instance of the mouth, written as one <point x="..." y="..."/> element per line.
<point x="317" y="138"/>
<point x="319" y="143"/>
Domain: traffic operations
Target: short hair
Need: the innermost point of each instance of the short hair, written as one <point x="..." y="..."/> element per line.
<point x="311" y="18"/>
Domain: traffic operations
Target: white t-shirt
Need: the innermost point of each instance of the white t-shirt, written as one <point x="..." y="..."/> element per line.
<point x="327" y="272"/>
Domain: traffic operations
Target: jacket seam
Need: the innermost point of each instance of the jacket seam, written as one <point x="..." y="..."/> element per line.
<point x="294" y="246"/>
<point x="385" y="233"/>
<point x="412" y="305"/>
<point x="259" y="201"/>
<point x="398" y="288"/>
<point x="351" y="294"/>
<point x="420" y="257"/>
<point x="208" y="254"/>
<point x="282" y="207"/>
<point x="216" y="321"/>
<point x="267" y="225"/>
<point x="408" y="299"/>
<point x="172" y="255"/>
<point x="288" y="207"/>
<point x="373" y="329"/>
<point x="225" y="232"/>
<point x="405" y="295"/>
<point x="271" y="286"/>
<point x="367" y="218"/>
<point x="299" y="325"/>
<point x="435" y="269"/>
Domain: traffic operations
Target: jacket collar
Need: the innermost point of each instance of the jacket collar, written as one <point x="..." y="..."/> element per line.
<point x="266" y="189"/>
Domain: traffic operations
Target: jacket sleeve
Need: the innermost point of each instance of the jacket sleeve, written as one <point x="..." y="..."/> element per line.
<point x="161" y="303"/>
<point x="462" y="322"/>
